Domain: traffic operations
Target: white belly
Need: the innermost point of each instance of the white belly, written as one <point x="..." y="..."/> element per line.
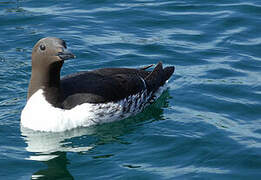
<point x="38" y="114"/>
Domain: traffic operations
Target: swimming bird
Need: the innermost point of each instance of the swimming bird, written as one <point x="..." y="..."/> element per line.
<point x="85" y="98"/>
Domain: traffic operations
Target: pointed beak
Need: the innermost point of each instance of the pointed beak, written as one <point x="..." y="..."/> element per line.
<point x="65" y="55"/>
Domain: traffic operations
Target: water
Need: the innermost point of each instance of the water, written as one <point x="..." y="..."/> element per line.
<point x="206" y="126"/>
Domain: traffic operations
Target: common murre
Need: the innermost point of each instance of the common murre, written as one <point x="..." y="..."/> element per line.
<point x="84" y="98"/>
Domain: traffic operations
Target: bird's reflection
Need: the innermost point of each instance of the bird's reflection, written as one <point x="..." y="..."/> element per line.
<point x="51" y="148"/>
<point x="56" y="168"/>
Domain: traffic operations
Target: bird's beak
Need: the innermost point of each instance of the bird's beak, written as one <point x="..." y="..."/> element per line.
<point x="65" y="55"/>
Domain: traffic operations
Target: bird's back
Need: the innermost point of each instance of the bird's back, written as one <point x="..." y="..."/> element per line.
<point x="111" y="84"/>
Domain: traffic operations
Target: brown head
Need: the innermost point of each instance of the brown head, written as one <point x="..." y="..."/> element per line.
<point x="48" y="51"/>
<point x="48" y="56"/>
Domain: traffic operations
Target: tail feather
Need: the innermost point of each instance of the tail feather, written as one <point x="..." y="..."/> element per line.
<point x="146" y="67"/>
<point x="158" y="76"/>
<point x="168" y="71"/>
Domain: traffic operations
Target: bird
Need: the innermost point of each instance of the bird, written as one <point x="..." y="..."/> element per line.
<point x="86" y="98"/>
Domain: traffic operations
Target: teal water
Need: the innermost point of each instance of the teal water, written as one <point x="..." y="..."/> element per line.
<point x="207" y="125"/>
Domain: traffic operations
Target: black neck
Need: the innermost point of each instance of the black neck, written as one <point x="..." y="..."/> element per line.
<point x="48" y="79"/>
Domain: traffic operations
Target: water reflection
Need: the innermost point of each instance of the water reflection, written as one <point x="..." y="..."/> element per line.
<point x="51" y="148"/>
<point x="56" y="168"/>
<point x="44" y="144"/>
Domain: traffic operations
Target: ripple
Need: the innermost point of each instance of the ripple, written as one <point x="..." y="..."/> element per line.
<point x="212" y="13"/>
<point x="247" y="42"/>
<point x="179" y="171"/>
<point x="240" y="4"/>
<point x="235" y="31"/>
<point x="207" y="127"/>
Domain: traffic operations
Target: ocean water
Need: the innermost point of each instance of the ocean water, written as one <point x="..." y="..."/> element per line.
<point x="207" y="125"/>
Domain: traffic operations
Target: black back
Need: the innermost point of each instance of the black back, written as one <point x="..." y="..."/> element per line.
<point x="110" y="84"/>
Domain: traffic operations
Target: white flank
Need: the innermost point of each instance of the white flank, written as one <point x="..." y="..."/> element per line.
<point x="39" y="114"/>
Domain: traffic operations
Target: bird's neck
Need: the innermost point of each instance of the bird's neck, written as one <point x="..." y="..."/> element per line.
<point x="47" y="79"/>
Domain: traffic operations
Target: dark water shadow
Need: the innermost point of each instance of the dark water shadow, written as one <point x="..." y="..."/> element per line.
<point x="52" y="148"/>
<point x="56" y="168"/>
<point x="12" y="6"/>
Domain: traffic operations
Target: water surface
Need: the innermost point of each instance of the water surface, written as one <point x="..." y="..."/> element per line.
<point x="207" y="125"/>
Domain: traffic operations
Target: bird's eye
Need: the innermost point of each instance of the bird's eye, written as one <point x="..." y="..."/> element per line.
<point x="42" y="47"/>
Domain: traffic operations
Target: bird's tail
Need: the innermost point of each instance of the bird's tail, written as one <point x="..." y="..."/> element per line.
<point x="159" y="76"/>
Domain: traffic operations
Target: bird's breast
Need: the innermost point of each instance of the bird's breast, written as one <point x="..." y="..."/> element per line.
<point x="39" y="114"/>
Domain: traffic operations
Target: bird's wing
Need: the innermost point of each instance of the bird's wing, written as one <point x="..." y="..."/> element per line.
<point x="109" y="84"/>
<point x="100" y="86"/>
